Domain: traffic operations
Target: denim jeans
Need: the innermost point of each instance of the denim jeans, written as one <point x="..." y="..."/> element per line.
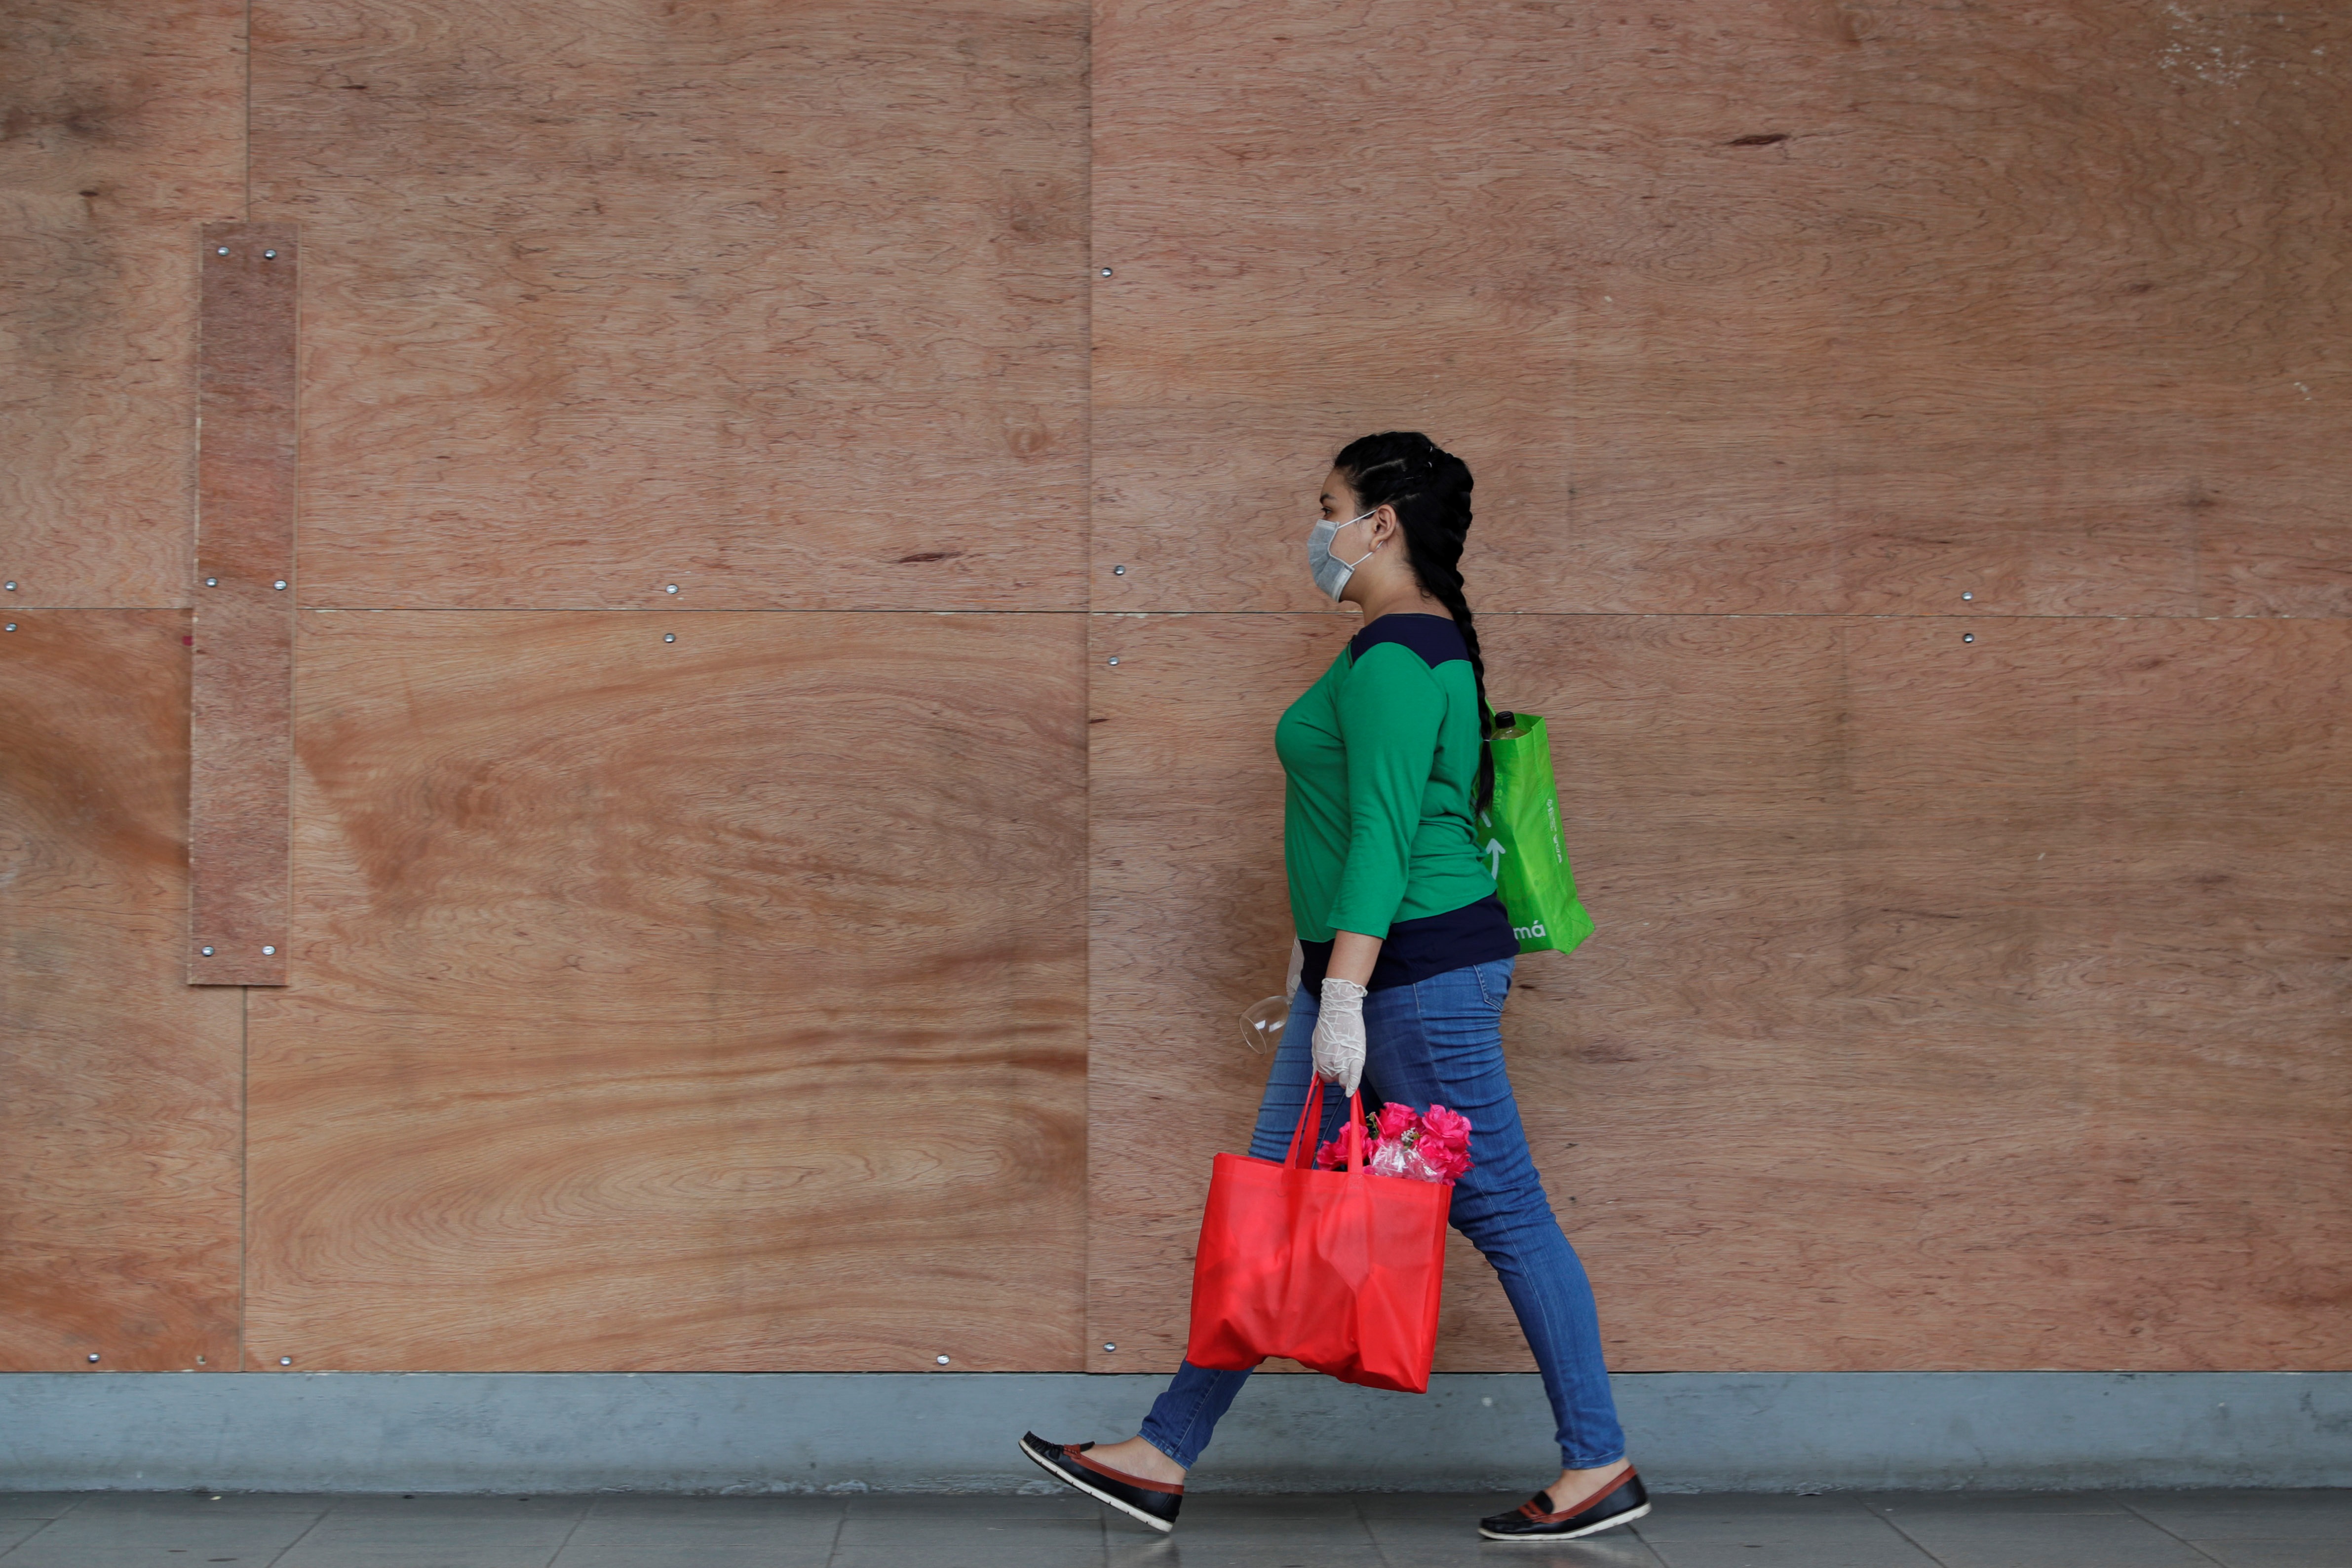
<point x="1440" y="1040"/>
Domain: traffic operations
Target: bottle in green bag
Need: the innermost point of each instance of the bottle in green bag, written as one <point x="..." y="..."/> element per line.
<point x="1523" y="844"/>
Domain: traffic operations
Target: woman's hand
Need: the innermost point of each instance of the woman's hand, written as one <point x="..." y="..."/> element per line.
<point x="1339" y="1034"/>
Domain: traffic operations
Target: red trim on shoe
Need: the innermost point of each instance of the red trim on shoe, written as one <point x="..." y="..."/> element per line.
<point x="1121" y="1475"/>
<point x="1538" y="1516"/>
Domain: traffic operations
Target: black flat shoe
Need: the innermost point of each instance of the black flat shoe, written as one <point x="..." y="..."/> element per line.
<point x="1621" y="1500"/>
<point x="1153" y="1502"/>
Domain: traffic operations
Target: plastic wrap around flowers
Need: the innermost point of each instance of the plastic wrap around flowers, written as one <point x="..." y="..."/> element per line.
<point x="1421" y="1146"/>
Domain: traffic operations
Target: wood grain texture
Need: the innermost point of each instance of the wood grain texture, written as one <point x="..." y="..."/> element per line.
<point x="118" y="1084"/>
<point x="241" y="697"/>
<point x="783" y="306"/>
<point x="1757" y="308"/>
<point x="712" y="1005"/>
<point x="121" y="130"/>
<point x="1952" y="1005"/>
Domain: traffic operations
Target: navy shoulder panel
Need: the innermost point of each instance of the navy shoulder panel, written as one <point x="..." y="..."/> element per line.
<point x="1433" y="637"/>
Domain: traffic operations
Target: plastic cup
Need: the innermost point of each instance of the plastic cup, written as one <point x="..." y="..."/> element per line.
<point x="1262" y="1024"/>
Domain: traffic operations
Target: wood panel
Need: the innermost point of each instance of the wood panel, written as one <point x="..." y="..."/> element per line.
<point x="121" y="130"/>
<point x="710" y="1004"/>
<point x="120" y="1137"/>
<point x="1952" y="1005"/>
<point x="780" y="306"/>
<point x="241" y="696"/>
<point x="1759" y="307"/>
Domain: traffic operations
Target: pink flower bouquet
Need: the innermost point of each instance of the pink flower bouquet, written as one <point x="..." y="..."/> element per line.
<point x="1420" y="1145"/>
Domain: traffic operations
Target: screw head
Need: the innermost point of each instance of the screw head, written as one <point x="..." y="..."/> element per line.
<point x="669" y="636"/>
<point x="1119" y="572"/>
<point x="269" y="256"/>
<point x="269" y="952"/>
<point x="279" y="583"/>
<point x="12" y="625"/>
<point x="211" y="582"/>
<point x="1968" y="596"/>
<point x="285" y="1361"/>
<point x="1109" y="1346"/>
<point x="669" y="588"/>
<point x="93" y="1355"/>
<point x="205" y="951"/>
<point x="943" y="1360"/>
<point x="1114" y="661"/>
<point x="12" y="588"/>
<point x="222" y="251"/>
<point x="1968" y="636"/>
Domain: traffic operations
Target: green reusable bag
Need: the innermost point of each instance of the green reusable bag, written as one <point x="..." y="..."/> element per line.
<point x="1523" y="845"/>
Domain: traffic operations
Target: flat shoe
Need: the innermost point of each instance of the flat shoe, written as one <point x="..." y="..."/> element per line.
<point x="1153" y="1502"/>
<point x="1621" y="1500"/>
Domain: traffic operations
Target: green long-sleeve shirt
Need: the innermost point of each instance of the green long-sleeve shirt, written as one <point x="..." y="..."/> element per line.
<point x="1381" y="760"/>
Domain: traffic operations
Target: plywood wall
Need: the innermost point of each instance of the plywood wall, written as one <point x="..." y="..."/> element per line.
<point x="121" y="133"/>
<point x="735" y="441"/>
<point x="1956" y="1003"/>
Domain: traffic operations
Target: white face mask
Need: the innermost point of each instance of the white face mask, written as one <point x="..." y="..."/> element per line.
<point x="1331" y="573"/>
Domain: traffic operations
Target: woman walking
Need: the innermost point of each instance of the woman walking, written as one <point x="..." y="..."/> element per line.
<point x="1404" y="959"/>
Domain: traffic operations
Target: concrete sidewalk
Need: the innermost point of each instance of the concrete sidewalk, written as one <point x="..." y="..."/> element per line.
<point x="1858" y="1530"/>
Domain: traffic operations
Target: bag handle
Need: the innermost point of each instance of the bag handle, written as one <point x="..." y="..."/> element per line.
<point x="1310" y="1121"/>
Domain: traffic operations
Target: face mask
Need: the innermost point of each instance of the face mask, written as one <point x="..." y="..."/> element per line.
<point x="1331" y="573"/>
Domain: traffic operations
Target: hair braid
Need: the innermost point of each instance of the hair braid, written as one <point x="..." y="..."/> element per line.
<point x="1429" y="489"/>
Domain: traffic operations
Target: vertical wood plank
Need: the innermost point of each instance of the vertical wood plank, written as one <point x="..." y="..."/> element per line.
<point x="121" y="1130"/>
<point x="124" y="128"/>
<point x="241" y="697"/>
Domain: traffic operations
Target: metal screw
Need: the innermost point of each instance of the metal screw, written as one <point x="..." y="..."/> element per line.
<point x="223" y="251"/>
<point x="1106" y="272"/>
<point x="93" y="1355"/>
<point x="1114" y="661"/>
<point x="1968" y="636"/>
<point x="1109" y="1346"/>
<point x="671" y="588"/>
<point x="211" y="582"/>
<point x="269" y="256"/>
<point x="1968" y="596"/>
<point x="943" y="1360"/>
<point x="669" y="636"/>
<point x="1119" y="572"/>
<point x="279" y="583"/>
<point x="12" y="588"/>
<point x="200" y="1361"/>
<point x="285" y="1361"/>
<point x="266" y="952"/>
<point x="12" y="625"/>
<point x="205" y="951"/>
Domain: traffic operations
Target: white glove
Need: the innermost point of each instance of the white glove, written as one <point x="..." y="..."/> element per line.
<point x="1297" y="962"/>
<point x="1339" y="1034"/>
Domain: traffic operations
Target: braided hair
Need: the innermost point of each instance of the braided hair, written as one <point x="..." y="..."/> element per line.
<point x="1429" y="489"/>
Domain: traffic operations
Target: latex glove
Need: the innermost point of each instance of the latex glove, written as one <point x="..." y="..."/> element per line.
<point x="1339" y="1034"/>
<point x="1297" y="963"/>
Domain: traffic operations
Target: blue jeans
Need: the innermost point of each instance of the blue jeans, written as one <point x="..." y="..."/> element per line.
<point x="1440" y="1040"/>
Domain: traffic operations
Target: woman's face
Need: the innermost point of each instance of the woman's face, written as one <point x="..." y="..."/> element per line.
<point x="1359" y="539"/>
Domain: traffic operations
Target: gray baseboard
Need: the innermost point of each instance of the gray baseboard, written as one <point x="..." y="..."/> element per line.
<point x="800" y="1432"/>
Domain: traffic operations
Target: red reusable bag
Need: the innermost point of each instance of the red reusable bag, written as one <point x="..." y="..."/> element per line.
<point x="1340" y="1270"/>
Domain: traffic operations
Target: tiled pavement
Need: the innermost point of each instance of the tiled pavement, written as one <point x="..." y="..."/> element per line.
<point x="1851" y="1530"/>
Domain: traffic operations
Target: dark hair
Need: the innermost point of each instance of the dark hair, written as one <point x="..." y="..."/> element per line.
<point x="1429" y="489"/>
